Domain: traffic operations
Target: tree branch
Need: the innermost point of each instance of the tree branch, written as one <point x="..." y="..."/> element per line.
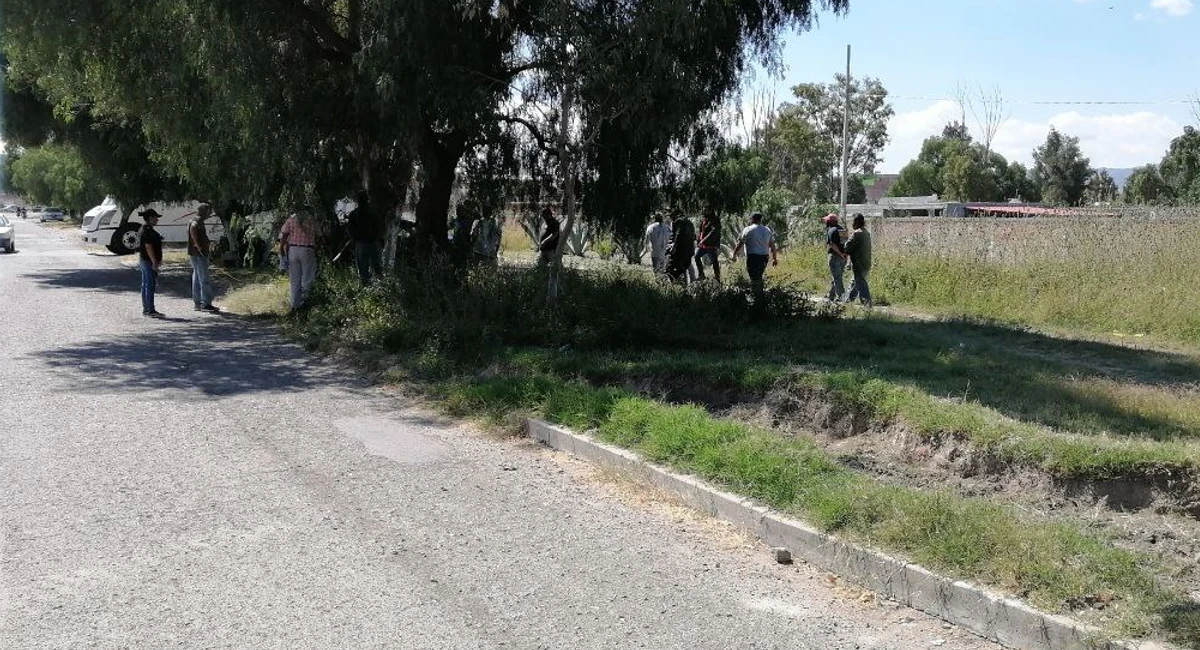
<point x="533" y="130"/>
<point x="331" y="43"/>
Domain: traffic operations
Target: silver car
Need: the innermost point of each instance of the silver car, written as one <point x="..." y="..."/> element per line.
<point x="8" y="238"/>
<point x="51" y="214"/>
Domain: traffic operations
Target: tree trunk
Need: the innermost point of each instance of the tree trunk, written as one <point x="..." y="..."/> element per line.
<point x="439" y="164"/>
<point x="567" y="178"/>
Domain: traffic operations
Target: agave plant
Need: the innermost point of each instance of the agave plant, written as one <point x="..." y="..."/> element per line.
<point x="731" y="228"/>
<point x="532" y="224"/>
<point x="579" y="241"/>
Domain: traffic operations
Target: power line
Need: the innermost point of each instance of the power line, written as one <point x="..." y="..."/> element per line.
<point x="1183" y="102"/>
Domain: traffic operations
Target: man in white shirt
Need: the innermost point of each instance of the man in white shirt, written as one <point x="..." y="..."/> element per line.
<point x="657" y="236"/>
<point x="758" y="241"/>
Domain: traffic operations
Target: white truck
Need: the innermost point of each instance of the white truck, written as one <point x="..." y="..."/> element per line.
<point x="109" y="226"/>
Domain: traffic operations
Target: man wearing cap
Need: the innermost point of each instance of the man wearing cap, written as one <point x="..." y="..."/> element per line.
<point x="837" y="257"/>
<point x="149" y="259"/>
<point x="757" y="240"/>
<point x="198" y="251"/>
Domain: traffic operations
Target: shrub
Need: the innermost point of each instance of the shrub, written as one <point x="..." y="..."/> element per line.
<point x="470" y="312"/>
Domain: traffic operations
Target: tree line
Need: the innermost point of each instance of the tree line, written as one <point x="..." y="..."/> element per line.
<point x="424" y="103"/>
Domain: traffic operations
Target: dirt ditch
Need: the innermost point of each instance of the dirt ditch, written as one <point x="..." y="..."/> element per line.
<point x="1159" y="516"/>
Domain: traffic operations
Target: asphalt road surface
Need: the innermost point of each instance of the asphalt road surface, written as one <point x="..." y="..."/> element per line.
<point x="201" y="483"/>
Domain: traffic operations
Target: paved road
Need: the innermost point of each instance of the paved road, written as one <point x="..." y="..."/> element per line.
<point x="200" y="483"/>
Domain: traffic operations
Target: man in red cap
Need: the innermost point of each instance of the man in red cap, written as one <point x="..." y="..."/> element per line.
<point x="837" y="256"/>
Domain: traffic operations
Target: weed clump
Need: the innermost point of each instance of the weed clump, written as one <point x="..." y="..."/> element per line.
<point x="470" y="313"/>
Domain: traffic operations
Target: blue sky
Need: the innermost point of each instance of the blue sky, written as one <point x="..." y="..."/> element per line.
<point x="1034" y="51"/>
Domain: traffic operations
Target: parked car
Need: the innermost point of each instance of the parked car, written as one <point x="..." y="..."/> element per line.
<point x="51" y="214"/>
<point x="110" y="226"/>
<point x="8" y="238"/>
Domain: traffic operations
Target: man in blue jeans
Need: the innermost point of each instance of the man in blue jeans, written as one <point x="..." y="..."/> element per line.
<point x="858" y="247"/>
<point x="149" y="260"/>
<point x="758" y="241"/>
<point x="837" y="257"/>
<point x="198" y="251"/>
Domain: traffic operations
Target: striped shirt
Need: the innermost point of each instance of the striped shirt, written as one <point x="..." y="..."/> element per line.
<point x="295" y="233"/>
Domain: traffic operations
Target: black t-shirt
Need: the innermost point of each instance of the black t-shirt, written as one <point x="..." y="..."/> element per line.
<point x="358" y="222"/>
<point x="150" y="241"/>
<point x="683" y="238"/>
<point x="550" y="236"/>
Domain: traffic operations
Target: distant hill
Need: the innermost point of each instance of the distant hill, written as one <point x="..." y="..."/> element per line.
<point x="1119" y="176"/>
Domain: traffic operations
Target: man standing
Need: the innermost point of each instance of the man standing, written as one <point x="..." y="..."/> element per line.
<point x="837" y="257"/>
<point x="858" y="247"/>
<point x="548" y="246"/>
<point x="363" y="229"/>
<point x="149" y="259"/>
<point x="681" y="249"/>
<point x="758" y="241"/>
<point x="485" y="240"/>
<point x="657" y="237"/>
<point x="709" y="244"/>
<point x="198" y="251"/>
<point x="298" y="245"/>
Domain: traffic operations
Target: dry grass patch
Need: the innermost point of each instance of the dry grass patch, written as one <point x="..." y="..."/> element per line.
<point x="267" y="298"/>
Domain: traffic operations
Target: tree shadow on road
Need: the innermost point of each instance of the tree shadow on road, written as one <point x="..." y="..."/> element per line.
<point x="174" y="280"/>
<point x="214" y="358"/>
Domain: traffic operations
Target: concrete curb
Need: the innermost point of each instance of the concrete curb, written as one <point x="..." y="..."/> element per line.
<point x="1009" y="622"/>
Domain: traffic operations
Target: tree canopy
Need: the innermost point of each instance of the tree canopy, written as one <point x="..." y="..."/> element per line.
<point x="329" y="96"/>
<point x="805" y="139"/>
<point x="955" y="167"/>
<point x="1060" y="169"/>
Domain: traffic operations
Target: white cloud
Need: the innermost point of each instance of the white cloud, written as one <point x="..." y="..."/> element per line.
<point x="1173" y="7"/>
<point x="1115" y="140"/>
<point x="1119" y="140"/>
<point x="909" y="130"/>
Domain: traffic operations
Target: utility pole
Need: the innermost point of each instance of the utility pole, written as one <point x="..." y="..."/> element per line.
<point x="846" y="135"/>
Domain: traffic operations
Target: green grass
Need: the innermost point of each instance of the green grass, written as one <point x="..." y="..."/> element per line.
<point x="628" y="358"/>
<point x="1054" y="566"/>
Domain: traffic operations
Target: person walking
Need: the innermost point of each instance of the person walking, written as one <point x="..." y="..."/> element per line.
<point x="150" y="251"/>
<point x="708" y="242"/>
<point x="658" y="235"/>
<point x="485" y="240"/>
<point x="759" y="242"/>
<point x="548" y="246"/>
<point x="837" y="257"/>
<point x="298" y="245"/>
<point x="681" y="249"/>
<point x="364" y="232"/>
<point x="858" y="247"/>
<point x="198" y="248"/>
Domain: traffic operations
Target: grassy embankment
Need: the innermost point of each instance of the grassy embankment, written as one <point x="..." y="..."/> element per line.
<point x="1122" y="276"/>
<point x="485" y="345"/>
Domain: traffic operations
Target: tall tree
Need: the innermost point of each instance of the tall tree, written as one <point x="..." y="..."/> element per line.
<point x="1060" y="169"/>
<point x="56" y="175"/>
<point x="821" y="108"/>
<point x="1147" y="187"/>
<point x="1180" y="167"/>
<point x="1101" y="188"/>
<point x="954" y="166"/>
